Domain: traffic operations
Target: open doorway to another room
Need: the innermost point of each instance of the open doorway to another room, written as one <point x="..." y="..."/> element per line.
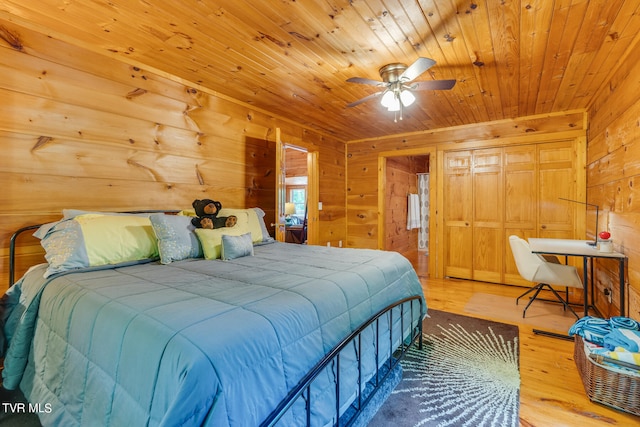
<point x="407" y="209"/>
<point x="296" y="194"/>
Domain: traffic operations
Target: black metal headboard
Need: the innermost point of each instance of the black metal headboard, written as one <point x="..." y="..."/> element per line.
<point x="12" y="250"/>
<point x="14" y="236"/>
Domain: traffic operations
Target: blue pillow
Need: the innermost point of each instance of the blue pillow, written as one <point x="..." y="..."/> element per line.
<point x="176" y="239"/>
<point x="236" y="246"/>
<point x="44" y="229"/>
<point x="266" y="238"/>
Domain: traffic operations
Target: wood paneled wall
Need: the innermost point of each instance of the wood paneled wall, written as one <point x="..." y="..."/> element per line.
<point x="79" y="130"/>
<point x="613" y="177"/>
<point x="296" y="163"/>
<point x="363" y="169"/>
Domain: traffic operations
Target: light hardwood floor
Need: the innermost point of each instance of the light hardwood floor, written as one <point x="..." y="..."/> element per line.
<point x="551" y="392"/>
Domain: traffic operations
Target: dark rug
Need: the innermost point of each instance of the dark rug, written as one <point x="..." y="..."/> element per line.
<point x="467" y="374"/>
<point x="15" y="410"/>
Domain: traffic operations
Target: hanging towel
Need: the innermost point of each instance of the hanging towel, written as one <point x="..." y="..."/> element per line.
<point x="413" y="212"/>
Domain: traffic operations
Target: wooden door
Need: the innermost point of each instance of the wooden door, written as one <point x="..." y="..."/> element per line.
<point x="556" y="181"/>
<point x="490" y="194"/>
<point x="281" y="187"/>
<point x="488" y="207"/>
<point x="313" y="197"/>
<point x="458" y="211"/>
<point x="520" y="194"/>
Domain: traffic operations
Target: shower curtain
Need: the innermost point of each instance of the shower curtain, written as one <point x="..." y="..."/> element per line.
<point x="423" y="194"/>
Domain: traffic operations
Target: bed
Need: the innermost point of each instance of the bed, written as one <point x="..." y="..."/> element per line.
<point x="216" y="329"/>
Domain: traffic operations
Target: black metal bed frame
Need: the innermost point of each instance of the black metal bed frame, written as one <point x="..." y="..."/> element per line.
<point x="12" y="250"/>
<point x="303" y="388"/>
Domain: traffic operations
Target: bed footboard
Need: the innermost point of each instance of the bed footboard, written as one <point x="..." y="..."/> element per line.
<point x="382" y="370"/>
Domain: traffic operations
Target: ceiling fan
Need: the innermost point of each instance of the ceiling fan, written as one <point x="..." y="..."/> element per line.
<point x="396" y="81"/>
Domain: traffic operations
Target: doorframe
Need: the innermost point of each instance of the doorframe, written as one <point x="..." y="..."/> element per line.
<point x="431" y="151"/>
<point x="313" y="185"/>
<point x="313" y="198"/>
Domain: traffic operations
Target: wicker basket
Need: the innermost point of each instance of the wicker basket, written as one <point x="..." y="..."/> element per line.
<point x="607" y="386"/>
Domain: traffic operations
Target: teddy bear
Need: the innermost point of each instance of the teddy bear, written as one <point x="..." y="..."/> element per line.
<point x="207" y="215"/>
<point x="206" y="207"/>
<point x="225" y="221"/>
<point x="214" y="222"/>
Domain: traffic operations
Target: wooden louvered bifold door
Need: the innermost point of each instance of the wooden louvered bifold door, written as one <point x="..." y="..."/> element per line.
<point x="492" y="193"/>
<point x="458" y="193"/>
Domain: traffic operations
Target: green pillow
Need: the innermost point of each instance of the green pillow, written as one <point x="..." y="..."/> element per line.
<point x="211" y="240"/>
<point x="252" y="219"/>
<point x="257" y="227"/>
<point x="95" y="240"/>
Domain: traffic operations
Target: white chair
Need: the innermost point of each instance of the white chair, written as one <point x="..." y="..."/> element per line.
<point x="536" y="269"/>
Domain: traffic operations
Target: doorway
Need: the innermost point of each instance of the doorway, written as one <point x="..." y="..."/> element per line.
<point x="405" y="230"/>
<point x="297" y="193"/>
<point x="296" y="183"/>
<point x="407" y="179"/>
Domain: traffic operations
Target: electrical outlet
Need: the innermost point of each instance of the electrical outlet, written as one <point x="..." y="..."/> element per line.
<point x="607" y="293"/>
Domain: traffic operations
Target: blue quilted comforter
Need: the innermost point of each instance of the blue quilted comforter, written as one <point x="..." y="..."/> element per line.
<point x="216" y="343"/>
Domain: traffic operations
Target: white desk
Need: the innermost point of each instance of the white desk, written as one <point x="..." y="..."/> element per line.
<point x="581" y="248"/>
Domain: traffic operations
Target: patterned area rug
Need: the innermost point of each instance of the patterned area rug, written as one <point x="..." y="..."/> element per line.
<point x="467" y="374"/>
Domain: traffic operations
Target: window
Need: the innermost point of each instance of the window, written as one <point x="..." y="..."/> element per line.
<point x="298" y="196"/>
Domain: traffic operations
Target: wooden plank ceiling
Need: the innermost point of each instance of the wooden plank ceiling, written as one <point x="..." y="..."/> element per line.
<point x="292" y="57"/>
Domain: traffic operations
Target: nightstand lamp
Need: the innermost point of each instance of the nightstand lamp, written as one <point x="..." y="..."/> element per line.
<point x="289" y="209"/>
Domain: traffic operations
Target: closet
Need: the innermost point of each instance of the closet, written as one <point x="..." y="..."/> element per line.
<point x="491" y="193"/>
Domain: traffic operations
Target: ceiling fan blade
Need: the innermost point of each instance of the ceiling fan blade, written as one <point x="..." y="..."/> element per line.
<point x="418" y="67"/>
<point x="365" y="99"/>
<point x="364" y="81"/>
<point x="433" y="85"/>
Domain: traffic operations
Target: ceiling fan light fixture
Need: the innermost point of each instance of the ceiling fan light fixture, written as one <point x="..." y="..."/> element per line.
<point x="407" y="98"/>
<point x="396" y="80"/>
<point x="394" y="105"/>
<point x="387" y="99"/>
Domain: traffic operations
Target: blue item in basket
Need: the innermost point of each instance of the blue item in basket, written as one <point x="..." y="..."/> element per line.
<point x="601" y="331"/>
<point x="626" y="338"/>
<point x="624" y="322"/>
<point x="592" y="329"/>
